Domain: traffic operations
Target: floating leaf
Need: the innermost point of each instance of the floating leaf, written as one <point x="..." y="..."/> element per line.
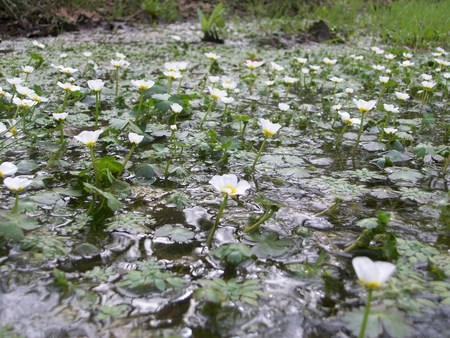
<point x="176" y="233"/>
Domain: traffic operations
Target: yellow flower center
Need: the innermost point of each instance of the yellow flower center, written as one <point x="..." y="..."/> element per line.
<point x="90" y="144"/>
<point x="370" y="285"/>
<point x="229" y="189"/>
<point x="268" y="132"/>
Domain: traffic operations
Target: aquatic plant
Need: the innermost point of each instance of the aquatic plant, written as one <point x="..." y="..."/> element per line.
<point x="269" y="129"/>
<point x="372" y="275"/>
<point x="227" y="185"/>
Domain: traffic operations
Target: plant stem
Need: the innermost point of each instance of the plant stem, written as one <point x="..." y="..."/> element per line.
<point x="219" y="215"/>
<point x="117" y="81"/>
<point x="258" y="155"/>
<point x="61" y="132"/>
<point x="97" y="107"/>
<point x="66" y="95"/>
<point x="169" y="85"/>
<point x="94" y="165"/>
<point x="265" y="217"/>
<point x="359" y="134"/>
<point x="207" y="113"/>
<point x="141" y="100"/>
<point x="179" y="85"/>
<point x="16" y="203"/>
<point x="129" y="155"/>
<point x="341" y="135"/>
<point x="423" y="101"/>
<point x="362" y="331"/>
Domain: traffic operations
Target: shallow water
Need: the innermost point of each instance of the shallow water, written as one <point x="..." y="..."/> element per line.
<point x="306" y="286"/>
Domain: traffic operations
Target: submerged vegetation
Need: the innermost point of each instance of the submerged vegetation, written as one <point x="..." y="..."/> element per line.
<point x="158" y="185"/>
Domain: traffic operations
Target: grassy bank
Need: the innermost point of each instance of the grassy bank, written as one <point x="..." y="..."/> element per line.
<point x="412" y="23"/>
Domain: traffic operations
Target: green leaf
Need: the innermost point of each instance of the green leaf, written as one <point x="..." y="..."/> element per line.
<point x="113" y="203"/>
<point x="26" y="167"/>
<point x="176" y="233"/>
<point x="270" y="246"/>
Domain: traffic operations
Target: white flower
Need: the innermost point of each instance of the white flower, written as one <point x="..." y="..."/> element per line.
<point x="142" y="84"/>
<point x="173" y="74"/>
<point x="364" y="106"/>
<point x="253" y="64"/>
<point x="38" y="45"/>
<point x="372" y="274"/>
<point x="27" y="69"/>
<point x="383" y="79"/>
<point x="176" y="37"/>
<point x="213" y="79"/>
<point x="7" y="169"/>
<point x="305" y="70"/>
<point x="290" y="80"/>
<point x="2" y="127"/>
<point x="269" y="83"/>
<point x="357" y="57"/>
<point x="16" y="183"/>
<point x="406" y="64"/>
<point x="68" y="86"/>
<point x="228" y="184"/>
<point x="212" y="56"/>
<point x="25" y="103"/>
<point x="349" y="91"/>
<point x="63" y="55"/>
<point x="3" y="93"/>
<point x="407" y="55"/>
<point x="336" y="107"/>
<point x="60" y="116"/>
<point x="88" y="138"/>
<point x="135" y="138"/>
<point x="269" y="128"/>
<point x="442" y="63"/>
<point x="283" y="106"/>
<point x="217" y="94"/>
<point x="444" y="75"/>
<point x="96" y="85"/>
<point x="302" y="61"/>
<point x="173" y="127"/>
<point x="182" y="65"/>
<point x="390" y="56"/>
<point x="67" y="70"/>
<point x="336" y="79"/>
<point x="14" y="81"/>
<point x="329" y="62"/>
<point x="378" y="67"/>
<point x="441" y="50"/>
<point x="228" y="84"/>
<point x="401" y="96"/>
<point x="176" y="108"/>
<point x="428" y="84"/>
<point x="25" y="91"/>
<point x="377" y="50"/>
<point x="227" y="100"/>
<point x="426" y="77"/>
<point x="36" y="98"/>
<point x="390" y="130"/>
<point x="87" y="54"/>
<point x="390" y="108"/>
<point x="121" y="63"/>
<point x="314" y="68"/>
<point x="346" y="119"/>
<point x="276" y="67"/>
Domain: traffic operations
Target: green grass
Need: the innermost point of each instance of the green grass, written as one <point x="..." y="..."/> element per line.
<point x="412" y="23"/>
